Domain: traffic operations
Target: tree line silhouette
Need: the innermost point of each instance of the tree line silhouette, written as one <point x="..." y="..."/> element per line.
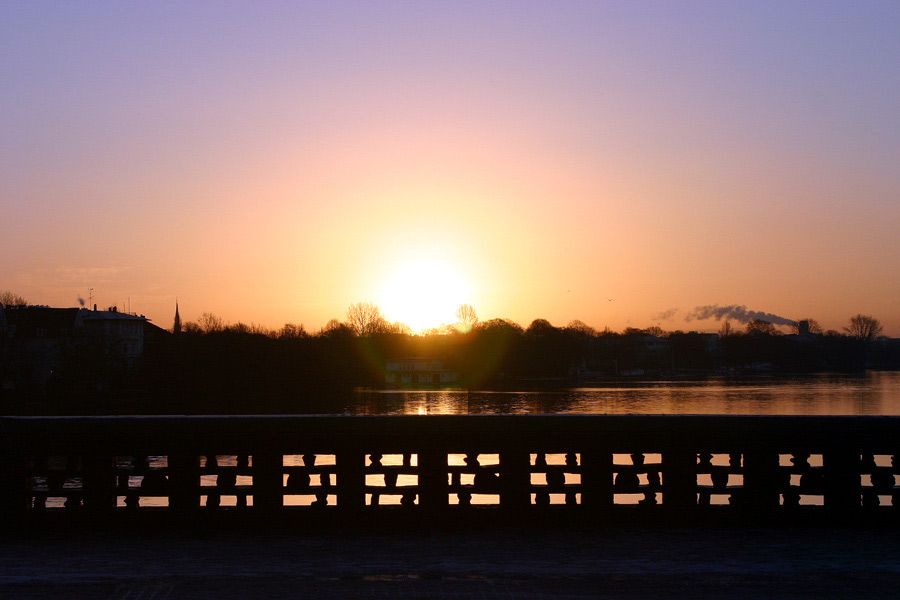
<point x="290" y="369"/>
<point x="209" y="365"/>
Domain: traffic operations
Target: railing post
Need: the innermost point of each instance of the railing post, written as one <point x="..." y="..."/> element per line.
<point x="13" y="488"/>
<point x="761" y="482"/>
<point x="184" y="482"/>
<point x="351" y="479"/>
<point x="98" y="482"/>
<point x="432" y="471"/>
<point x="679" y="480"/>
<point x="843" y="487"/>
<point x="514" y="480"/>
<point x="597" y="481"/>
<point x="268" y="493"/>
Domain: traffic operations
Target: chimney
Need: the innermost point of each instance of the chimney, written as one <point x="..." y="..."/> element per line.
<point x="803" y="327"/>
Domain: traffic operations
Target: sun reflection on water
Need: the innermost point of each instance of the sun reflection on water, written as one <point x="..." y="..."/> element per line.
<point x="878" y="393"/>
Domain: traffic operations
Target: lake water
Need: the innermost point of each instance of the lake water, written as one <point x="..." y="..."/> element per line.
<point x="874" y="393"/>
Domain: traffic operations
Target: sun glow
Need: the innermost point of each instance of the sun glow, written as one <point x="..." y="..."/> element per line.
<point x="423" y="294"/>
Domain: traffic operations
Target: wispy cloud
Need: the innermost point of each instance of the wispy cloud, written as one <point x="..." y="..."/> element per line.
<point x="667" y="315"/>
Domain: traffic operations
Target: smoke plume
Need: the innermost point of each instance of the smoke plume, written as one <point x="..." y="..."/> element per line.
<point x="666" y="315"/>
<point x="738" y="313"/>
<point x="81" y="301"/>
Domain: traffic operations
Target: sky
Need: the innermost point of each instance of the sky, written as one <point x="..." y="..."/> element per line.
<point x="623" y="163"/>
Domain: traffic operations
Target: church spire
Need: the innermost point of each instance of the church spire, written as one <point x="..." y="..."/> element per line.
<point x="176" y="326"/>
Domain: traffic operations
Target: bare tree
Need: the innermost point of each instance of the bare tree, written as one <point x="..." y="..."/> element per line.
<point x="399" y="327"/>
<point x="8" y="298"/>
<point x="209" y="322"/>
<point x="444" y="330"/>
<point x="382" y="325"/>
<point x="239" y="327"/>
<point x="761" y="327"/>
<point x="540" y="327"/>
<point x="655" y="331"/>
<point x="466" y="315"/>
<point x="581" y="327"/>
<point x="292" y="330"/>
<point x="812" y="325"/>
<point x="864" y="327"/>
<point x="364" y="318"/>
<point x="726" y="329"/>
<point x="333" y="327"/>
<point x="252" y="329"/>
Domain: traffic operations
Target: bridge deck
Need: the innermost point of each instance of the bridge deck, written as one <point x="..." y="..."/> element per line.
<point x="500" y="563"/>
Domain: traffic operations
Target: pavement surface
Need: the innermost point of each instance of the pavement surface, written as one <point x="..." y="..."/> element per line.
<point x="496" y="563"/>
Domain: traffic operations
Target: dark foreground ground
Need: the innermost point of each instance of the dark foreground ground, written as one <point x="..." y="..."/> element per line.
<point x="496" y="563"/>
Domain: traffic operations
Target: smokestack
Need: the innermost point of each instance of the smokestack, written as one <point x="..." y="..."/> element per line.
<point x="803" y="327"/>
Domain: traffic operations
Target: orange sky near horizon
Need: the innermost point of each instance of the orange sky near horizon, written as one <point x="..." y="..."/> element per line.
<point x="617" y="163"/>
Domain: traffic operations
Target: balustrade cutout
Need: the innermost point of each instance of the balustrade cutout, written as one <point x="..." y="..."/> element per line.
<point x="637" y="479"/>
<point x="555" y="478"/>
<point x="879" y="479"/>
<point x="391" y="480"/>
<point x="142" y="481"/>
<point x="226" y="480"/>
<point x="309" y="480"/>
<point x="474" y="479"/>
<point x="54" y="482"/>
<point x="720" y="479"/>
<point x="801" y="479"/>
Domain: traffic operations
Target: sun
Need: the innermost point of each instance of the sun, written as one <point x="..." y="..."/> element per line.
<point x="423" y="294"/>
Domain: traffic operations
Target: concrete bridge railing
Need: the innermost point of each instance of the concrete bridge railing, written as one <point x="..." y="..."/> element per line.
<point x="430" y="468"/>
